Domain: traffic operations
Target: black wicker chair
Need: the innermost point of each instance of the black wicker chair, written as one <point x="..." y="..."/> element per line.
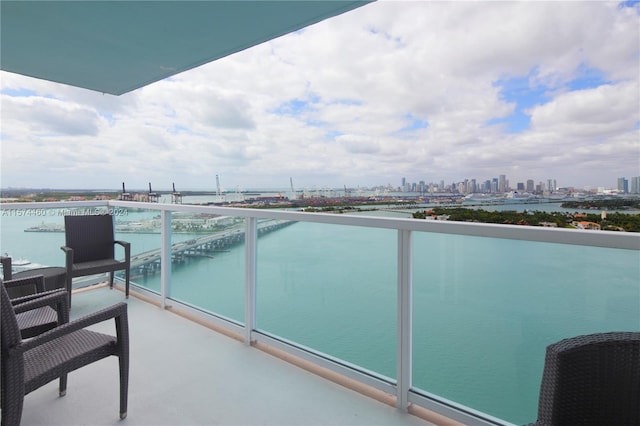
<point x="90" y="249"/>
<point x="40" y="311"/>
<point x="591" y="380"/>
<point x="28" y="365"/>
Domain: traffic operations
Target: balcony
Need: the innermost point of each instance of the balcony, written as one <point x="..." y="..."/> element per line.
<point x="437" y="317"/>
<point x="184" y="373"/>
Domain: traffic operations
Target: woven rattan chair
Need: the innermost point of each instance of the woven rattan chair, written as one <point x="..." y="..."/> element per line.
<point x="40" y="311"/>
<point x="591" y="380"/>
<point x="90" y="249"/>
<point x="28" y="365"/>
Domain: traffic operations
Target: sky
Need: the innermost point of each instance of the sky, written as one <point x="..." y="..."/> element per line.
<point x="422" y="90"/>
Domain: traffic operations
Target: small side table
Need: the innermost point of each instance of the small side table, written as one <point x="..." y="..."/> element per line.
<point x="54" y="276"/>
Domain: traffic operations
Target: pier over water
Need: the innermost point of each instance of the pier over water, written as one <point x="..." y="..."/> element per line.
<point x="148" y="263"/>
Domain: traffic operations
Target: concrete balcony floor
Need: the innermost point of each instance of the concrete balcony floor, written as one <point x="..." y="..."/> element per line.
<point x="183" y="373"/>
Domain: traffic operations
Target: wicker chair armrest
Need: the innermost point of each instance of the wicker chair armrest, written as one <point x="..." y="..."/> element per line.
<point x="24" y="299"/>
<point x="124" y="244"/>
<point x="57" y="299"/>
<point x="127" y="248"/>
<point x="68" y="261"/>
<point x="36" y="280"/>
<point x="117" y="312"/>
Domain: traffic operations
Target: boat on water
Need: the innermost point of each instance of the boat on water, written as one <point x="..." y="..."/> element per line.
<point x="19" y="265"/>
<point x="520" y="197"/>
<point x="481" y="198"/>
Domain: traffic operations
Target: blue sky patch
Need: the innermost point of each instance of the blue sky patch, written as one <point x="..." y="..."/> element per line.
<point x="631" y="4"/>
<point x="518" y="90"/>
<point x="315" y="123"/>
<point x="109" y="117"/>
<point x="414" y="123"/>
<point x="296" y="106"/>
<point x="515" y="123"/>
<point x="332" y="134"/>
<point x="588" y="78"/>
<point x="19" y="93"/>
<point x="178" y="128"/>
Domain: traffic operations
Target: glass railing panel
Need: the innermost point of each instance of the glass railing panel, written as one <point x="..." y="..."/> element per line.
<point x="485" y="309"/>
<point x="142" y="229"/>
<point x="208" y="263"/>
<point x="32" y="237"/>
<point x="331" y="288"/>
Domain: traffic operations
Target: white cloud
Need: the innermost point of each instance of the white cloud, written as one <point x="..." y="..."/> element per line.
<point x="605" y="111"/>
<point x="49" y="116"/>
<point x="357" y="144"/>
<point x="327" y="105"/>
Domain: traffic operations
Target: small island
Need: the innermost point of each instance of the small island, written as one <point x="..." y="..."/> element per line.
<point x="605" y="221"/>
<point x="608" y="204"/>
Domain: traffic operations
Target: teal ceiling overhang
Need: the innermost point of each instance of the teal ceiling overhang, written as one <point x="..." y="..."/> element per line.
<point x="118" y="46"/>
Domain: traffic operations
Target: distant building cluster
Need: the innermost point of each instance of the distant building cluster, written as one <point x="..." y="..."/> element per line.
<point x="501" y="185"/>
<point x="496" y="185"/>
<point x="623" y="185"/>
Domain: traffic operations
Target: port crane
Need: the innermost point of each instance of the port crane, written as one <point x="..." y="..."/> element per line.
<point x="153" y="196"/>
<point x="293" y="191"/>
<point x="176" y="197"/>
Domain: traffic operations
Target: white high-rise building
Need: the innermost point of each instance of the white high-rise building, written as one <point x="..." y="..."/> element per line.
<point x="502" y="183"/>
<point x="635" y="185"/>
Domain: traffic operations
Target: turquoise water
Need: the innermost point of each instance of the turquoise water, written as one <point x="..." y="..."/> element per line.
<point x="484" y="309"/>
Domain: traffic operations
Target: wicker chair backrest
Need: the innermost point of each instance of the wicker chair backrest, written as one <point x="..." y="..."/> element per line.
<point x="91" y="237"/>
<point x="8" y="323"/>
<point x="592" y="380"/>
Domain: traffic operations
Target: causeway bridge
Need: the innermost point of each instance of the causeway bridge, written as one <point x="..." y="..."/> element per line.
<point x="148" y="263"/>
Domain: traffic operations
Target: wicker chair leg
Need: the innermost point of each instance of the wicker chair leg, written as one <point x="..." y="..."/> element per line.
<point x="127" y="274"/>
<point x="12" y="413"/>
<point x="12" y="398"/>
<point x="123" y="361"/>
<point x="69" y="285"/>
<point x="111" y="274"/>
<point x="63" y="385"/>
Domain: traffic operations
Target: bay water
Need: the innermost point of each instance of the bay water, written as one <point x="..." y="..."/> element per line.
<point x="484" y="309"/>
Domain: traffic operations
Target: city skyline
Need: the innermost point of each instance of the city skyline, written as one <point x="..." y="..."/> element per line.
<point x="428" y="91"/>
<point x="499" y="184"/>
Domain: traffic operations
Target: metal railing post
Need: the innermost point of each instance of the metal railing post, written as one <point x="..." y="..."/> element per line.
<point x="251" y="255"/>
<point x="165" y="257"/>
<point x="405" y="303"/>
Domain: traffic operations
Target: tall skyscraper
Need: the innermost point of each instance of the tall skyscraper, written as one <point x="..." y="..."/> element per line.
<point x="494" y="185"/>
<point x="530" y="187"/>
<point x="623" y="185"/>
<point x="635" y="185"/>
<point x="502" y="183"/>
<point x="472" y="186"/>
<point x="550" y="185"/>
